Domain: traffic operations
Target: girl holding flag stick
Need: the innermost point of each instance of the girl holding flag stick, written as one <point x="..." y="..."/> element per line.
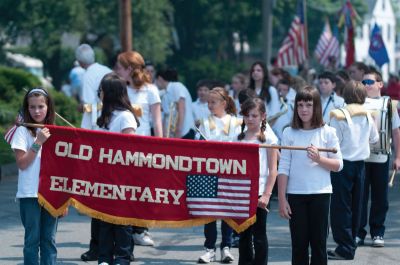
<point x="255" y="120"/>
<point x="304" y="184"/>
<point x="117" y="115"/>
<point x="40" y="226"/>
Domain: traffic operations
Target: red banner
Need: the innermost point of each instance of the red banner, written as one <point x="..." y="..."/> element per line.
<point x="149" y="181"/>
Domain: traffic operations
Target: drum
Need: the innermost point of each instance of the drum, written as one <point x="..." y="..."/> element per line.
<point x="381" y="110"/>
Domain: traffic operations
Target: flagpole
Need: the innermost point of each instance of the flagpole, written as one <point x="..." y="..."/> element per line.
<point x="305" y="27"/>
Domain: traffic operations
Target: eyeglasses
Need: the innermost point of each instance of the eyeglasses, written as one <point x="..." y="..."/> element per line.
<point x="368" y="82"/>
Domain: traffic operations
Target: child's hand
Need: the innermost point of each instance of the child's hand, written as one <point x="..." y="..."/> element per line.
<point x="263" y="202"/>
<point x="42" y="136"/>
<point x="284" y="208"/>
<point x="313" y="153"/>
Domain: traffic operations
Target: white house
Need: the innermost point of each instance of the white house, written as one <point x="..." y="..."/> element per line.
<point x="380" y="12"/>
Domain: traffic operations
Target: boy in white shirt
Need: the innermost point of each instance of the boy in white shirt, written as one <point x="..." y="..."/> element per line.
<point x="200" y="106"/>
<point x="329" y="99"/>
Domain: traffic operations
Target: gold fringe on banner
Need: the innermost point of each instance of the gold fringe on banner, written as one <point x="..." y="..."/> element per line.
<point x="134" y="221"/>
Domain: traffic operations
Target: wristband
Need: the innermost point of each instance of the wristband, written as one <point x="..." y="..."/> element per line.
<point x="35" y="147"/>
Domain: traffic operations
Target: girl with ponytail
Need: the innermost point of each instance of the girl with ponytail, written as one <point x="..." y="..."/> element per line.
<point x="221" y="125"/>
<point x="142" y="93"/>
<point x="254" y="131"/>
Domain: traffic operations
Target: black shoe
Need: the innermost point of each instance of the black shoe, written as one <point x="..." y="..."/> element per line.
<point x="333" y="255"/>
<point x="90" y="255"/>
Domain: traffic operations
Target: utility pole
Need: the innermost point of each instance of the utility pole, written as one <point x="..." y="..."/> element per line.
<point x="267" y="6"/>
<point x="125" y="25"/>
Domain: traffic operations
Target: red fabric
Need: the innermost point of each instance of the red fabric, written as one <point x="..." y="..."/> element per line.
<point x="393" y="90"/>
<point x="60" y="167"/>
<point x="350" y="51"/>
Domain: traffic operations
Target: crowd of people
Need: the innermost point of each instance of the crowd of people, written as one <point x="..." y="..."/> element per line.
<point x="344" y="111"/>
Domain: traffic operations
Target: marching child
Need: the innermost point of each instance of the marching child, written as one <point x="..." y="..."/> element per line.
<point x="40" y="226"/>
<point x="221" y="125"/>
<point x="117" y="115"/>
<point x="255" y="237"/>
<point x="304" y="182"/>
<point x="355" y="129"/>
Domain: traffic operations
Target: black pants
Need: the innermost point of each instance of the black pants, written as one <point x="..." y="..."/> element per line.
<point x="346" y="202"/>
<point x="210" y="233"/>
<point x="257" y="235"/>
<point x="309" y="227"/>
<point x="94" y="235"/>
<point x="376" y="180"/>
<point x="115" y="243"/>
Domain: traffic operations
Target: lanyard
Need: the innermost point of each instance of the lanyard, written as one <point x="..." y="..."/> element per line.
<point x="327" y="104"/>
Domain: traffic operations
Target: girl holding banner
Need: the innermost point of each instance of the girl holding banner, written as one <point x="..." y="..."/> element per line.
<point x="255" y="237"/>
<point x="40" y="226"/>
<point x="147" y="103"/>
<point x="117" y="115"/>
<point x="221" y="125"/>
<point x="304" y="178"/>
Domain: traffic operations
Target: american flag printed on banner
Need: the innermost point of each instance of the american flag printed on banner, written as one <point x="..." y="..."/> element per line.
<point x="214" y="196"/>
<point x="327" y="46"/>
<point x="294" y="47"/>
<point x="8" y="136"/>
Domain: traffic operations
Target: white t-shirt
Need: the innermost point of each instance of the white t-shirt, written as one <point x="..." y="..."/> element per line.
<point x="330" y="103"/>
<point x="121" y="120"/>
<point x="145" y="97"/>
<point x="304" y="175"/>
<point x="273" y="105"/>
<point x="225" y="129"/>
<point x="28" y="179"/>
<point x="90" y="85"/>
<point x="174" y="92"/>
<point x="200" y="110"/>
<point x="263" y="157"/>
<point x="355" y="138"/>
<point x="285" y="120"/>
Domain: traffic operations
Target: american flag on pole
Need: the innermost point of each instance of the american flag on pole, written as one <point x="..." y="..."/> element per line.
<point x="218" y="196"/>
<point x="8" y="136"/>
<point x="294" y="47"/>
<point x="327" y="46"/>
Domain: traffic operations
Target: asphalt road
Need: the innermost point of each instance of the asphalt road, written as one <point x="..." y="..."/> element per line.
<point x="178" y="246"/>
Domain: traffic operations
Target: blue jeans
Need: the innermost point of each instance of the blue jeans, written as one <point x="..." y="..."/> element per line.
<point x="40" y="233"/>
<point x="210" y="232"/>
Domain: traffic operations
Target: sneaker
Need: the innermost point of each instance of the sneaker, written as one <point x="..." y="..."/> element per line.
<point x="207" y="257"/>
<point x="226" y="256"/>
<point x="103" y="263"/>
<point x="90" y="255"/>
<point x="378" y="242"/>
<point x="143" y="239"/>
<point x="359" y="241"/>
<point x="333" y="255"/>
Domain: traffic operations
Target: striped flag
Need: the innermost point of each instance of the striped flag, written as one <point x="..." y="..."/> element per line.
<point x="8" y="136"/>
<point x="327" y="46"/>
<point x="218" y="196"/>
<point x="294" y="47"/>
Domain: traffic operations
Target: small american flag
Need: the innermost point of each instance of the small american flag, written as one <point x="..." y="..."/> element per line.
<point x="8" y="136"/>
<point x="327" y="46"/>
<point x="218" y="196"/>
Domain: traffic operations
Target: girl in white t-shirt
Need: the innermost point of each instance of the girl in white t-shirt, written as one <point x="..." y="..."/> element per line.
<point x="304" y="177"/>
<point x="145" y="99"/>
<point x="117" y="115"/>
<point x="40" y="226"/>
<point x="221" y="125"/>
<point x="142" y="93"/>
<point x="260" y="84"/>
<point x="255" y="237"/>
